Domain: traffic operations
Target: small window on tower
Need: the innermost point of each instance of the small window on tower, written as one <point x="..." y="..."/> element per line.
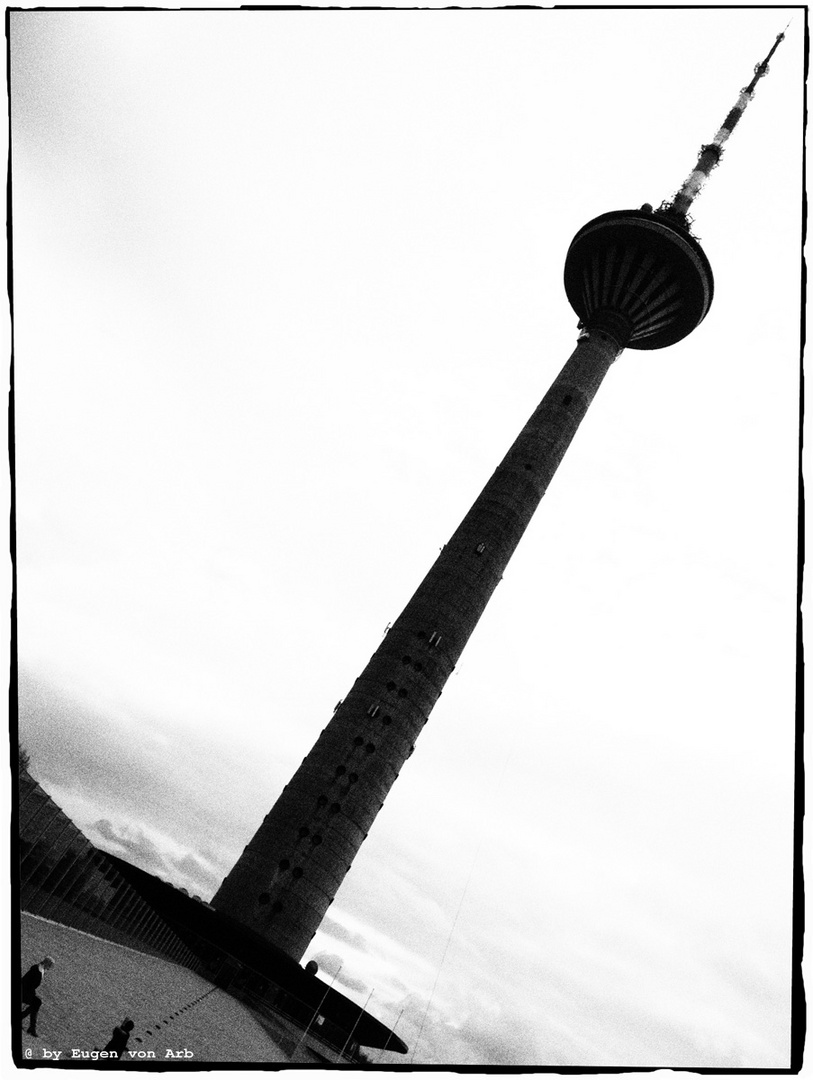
<point x="567" y="399"/>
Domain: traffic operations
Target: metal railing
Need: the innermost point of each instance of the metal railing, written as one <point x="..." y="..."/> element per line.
<point x="67" y="880"/>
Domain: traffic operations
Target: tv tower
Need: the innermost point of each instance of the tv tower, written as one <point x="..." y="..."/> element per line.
<point x="637" y="279"/>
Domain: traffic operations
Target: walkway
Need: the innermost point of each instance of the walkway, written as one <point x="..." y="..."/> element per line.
<point x="94" y="984"/>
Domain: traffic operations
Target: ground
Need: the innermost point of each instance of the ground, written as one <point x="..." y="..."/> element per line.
<point x="95" y="984"/>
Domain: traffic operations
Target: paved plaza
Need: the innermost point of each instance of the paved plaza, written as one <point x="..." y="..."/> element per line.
<point x="94" y="984"/>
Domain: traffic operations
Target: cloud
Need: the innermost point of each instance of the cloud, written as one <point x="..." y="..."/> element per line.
<point x="132" y="843"/>
<point x="497" y="989"/>
<point x="100" y="764"/>
<point x="148" y="795"/>
<point x="341" y="933"/>
<point x="193" y="868"/>
<point x="502" y="1039"/>
<point x="155" y="855"/>
<point x="332" y="964"/>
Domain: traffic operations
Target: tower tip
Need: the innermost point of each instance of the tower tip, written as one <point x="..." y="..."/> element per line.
<point x="710" y="153"/>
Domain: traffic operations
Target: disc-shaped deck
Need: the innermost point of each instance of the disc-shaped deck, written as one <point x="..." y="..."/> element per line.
<point x="638" y="272"/>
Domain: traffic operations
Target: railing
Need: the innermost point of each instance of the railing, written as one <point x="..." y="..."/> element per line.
<point x="64" y="878"/>
<point x="67" y="880"/>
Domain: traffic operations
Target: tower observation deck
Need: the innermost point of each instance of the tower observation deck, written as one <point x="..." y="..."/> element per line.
<point x="636" y="279"/>
<point x="639" y="277"/>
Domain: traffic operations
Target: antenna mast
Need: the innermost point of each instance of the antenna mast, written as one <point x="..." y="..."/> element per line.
<point x="711" y="153"/>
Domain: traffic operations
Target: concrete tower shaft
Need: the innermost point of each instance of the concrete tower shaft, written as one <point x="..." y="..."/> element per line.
<point x="635" y="278"/>
<point x="288" y="874"/>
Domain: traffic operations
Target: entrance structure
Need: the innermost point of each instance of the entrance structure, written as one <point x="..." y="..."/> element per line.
<point x="637" y="279"/>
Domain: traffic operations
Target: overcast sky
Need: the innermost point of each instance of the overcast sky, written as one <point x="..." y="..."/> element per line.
<point x="286" y="287"/>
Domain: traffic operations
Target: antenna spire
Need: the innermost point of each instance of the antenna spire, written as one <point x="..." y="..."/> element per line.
<point x="711" y="153"/>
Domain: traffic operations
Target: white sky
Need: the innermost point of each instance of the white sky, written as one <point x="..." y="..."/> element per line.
<point x="286" y="287"/>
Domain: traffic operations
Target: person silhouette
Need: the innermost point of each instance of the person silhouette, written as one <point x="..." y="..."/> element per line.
<point x="120" y="1037"/>
<point x="30" y="984"/>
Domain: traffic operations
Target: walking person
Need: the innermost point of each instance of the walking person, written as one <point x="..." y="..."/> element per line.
<point x="31" y="1000"/>
<point x="120" y="1037"/>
